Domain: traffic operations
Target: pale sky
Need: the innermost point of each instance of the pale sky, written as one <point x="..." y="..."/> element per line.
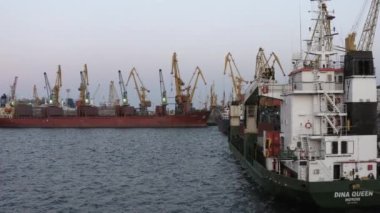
<point x="38" y="35"/>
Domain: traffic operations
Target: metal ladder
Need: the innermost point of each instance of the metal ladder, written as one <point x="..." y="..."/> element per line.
<point x="330" y="116"/>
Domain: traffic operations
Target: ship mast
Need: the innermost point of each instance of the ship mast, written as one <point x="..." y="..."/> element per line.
<point x="320" y="46"/>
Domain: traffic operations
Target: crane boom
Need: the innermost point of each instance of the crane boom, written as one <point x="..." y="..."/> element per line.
<point x="368" y="32"/>
<point x="191" y="89"/>
<point x="141" y="90"/>
<point x="369" y="29"/>
<point x="164" y="98"/>
<point x="13" y="89"/>
<point x="84" y="95"/>
<point x="122" y="89"/>
<point x="48" y="89"/>
<point x="177" y="78"/>
<point x="237" y="79"/>
<point x="265" y="65"/>
<point x="57" y="87"/>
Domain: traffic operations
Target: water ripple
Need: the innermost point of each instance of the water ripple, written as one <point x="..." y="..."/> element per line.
<point x="125" y="170"/>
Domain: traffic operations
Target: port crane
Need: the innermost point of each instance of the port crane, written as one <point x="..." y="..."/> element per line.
<point x="368" y="32"/>
<point x="265" y="65"/>
<point x="53" y="94"/>
<point x="48" y="89"/>
<point x="237" y="79"/>
<point x="57" y="86"/>
<point x="124" y="97"/>
<point x="164" y="98"/>
<point x="141" y="90"/>
<point x="113" y="98"/>
<point x="84" y="95"/>
<point x="191" y="88"/>
<point x="182" y="101"/>
<point x="13" y="90"/>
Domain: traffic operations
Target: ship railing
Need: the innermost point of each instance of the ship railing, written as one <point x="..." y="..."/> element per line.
<point x="321" y="86"/>
<point x="287" y="155"/>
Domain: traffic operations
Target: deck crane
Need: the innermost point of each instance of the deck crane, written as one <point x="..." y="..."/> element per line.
<point x="113" y="98"/>
<point x="191" y="89"/>
<point x="237" y="79"/>
<point x="164" y="98"/>
<point x="265" y="66"/>
<point x="182" y="102"/>
<point x="124" y="97"/>
<point x="368" y="32"/>
<point x="84" y="95"/>
<point x="48" y="89"/>
<point x="13" y="91"/>
<point x="141" y="90"/>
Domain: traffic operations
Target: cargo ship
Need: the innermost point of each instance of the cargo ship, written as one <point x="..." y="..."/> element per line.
<point x="82" y="114"/>
<point x="26" y="116"/>
<point x="313" y="140"/>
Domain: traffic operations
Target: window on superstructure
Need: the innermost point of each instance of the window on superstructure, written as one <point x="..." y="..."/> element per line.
<point x="329" y="78"/>
<point x="340" y="79"/>
<point x="334" y="149"/>
<point x="343" y="147"/>
<point x="364" y="68"/>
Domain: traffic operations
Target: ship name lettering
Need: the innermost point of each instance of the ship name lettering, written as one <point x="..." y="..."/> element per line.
<point x="362" y="194"/>
<point x="341" y="194"/>
<point x="353" y="194"/>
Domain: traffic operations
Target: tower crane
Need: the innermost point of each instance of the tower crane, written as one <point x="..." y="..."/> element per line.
<point x="113" y="98"/>
<point x="124" y="97"/>
<point x="237" y="79"/>
<point x="164" y="98"/>
<point x="265" y="66"/>
<point x="84" y="95"/>
<point x="368" y="32"/>
<point x="13" y="90"/>
<point x="191" y="89"/>
<point x="141" y="90"/>
<point x="182" y="102"/>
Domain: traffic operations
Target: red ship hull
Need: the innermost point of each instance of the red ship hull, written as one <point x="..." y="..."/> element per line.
<point x="149" y="121"/>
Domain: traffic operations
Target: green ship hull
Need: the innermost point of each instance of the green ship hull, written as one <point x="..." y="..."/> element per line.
<point x="333" y="194"/>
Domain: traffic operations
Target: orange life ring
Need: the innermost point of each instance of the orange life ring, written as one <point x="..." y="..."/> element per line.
<point x="307" y="125"/>
<point x="264" y="89"/>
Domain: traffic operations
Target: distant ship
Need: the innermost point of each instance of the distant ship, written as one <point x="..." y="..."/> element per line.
<point x="314" y="139"/>
<point x="26" y="116"/>
<point x="15" y="114"/>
